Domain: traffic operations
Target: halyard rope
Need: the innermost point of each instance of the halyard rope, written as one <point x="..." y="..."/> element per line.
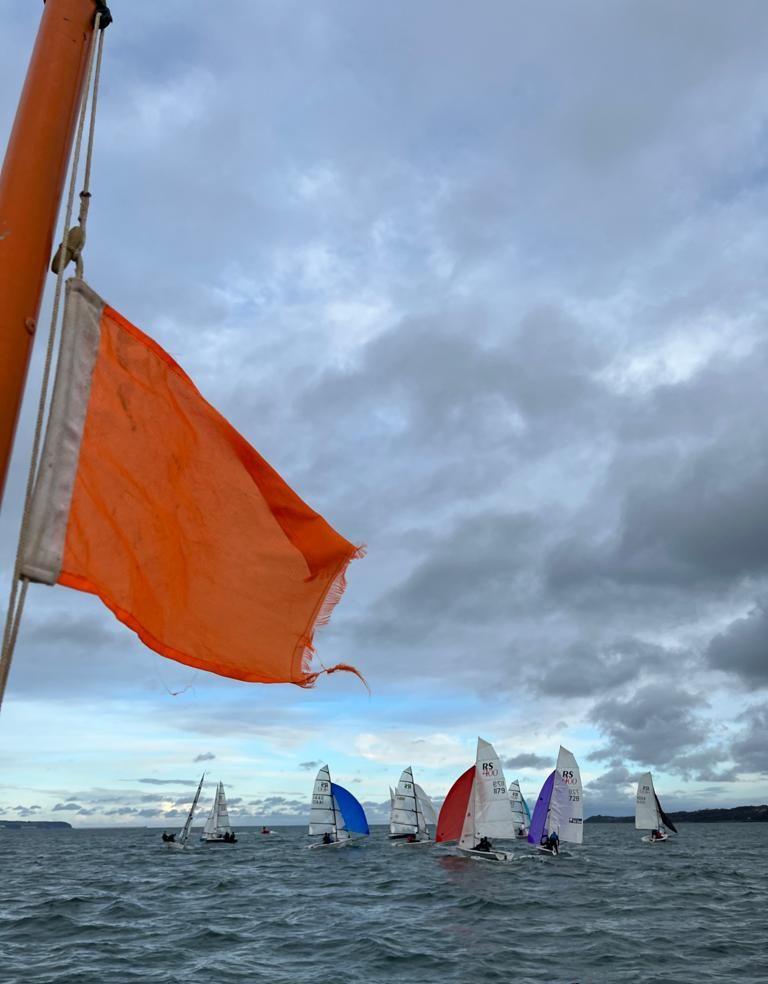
<point x="18" y="597"/>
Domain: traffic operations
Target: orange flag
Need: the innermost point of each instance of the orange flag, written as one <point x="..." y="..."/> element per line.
<point x="149" y="499"/>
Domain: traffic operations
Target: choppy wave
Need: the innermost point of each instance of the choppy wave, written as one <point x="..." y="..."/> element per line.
<point x="86" y="907"/>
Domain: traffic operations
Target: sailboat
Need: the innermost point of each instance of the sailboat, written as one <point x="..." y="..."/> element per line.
<point x="336" y="814"/>
<point x="411" y="811"/>
<point x="180" y="842"/>
<point x="649" y="814"/>
<point x="520" y="812"/>
<point x="218" y="829"/>
<point x="559" y="808"/>
<point x="476" y="808"/>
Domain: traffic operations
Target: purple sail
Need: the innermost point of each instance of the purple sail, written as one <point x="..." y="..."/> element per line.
<point x="539" y="821"/>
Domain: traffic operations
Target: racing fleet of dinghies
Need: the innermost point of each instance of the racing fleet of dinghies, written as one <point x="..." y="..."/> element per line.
<point x="649" y="814"/>
<point x="336" y="815"/>
<point x="218" y="829"/>
<point x="411" y="812"/>
<point x="480" y="809"/>
<point x="477" y="808"/>
<point x="558" y="814"/>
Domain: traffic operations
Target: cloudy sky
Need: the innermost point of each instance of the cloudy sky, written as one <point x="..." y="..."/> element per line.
<point x="487" y="285"/>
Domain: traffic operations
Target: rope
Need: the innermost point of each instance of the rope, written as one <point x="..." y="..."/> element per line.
<point x="17" y="598"/>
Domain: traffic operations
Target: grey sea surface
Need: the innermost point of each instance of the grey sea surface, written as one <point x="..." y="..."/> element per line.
<point x="96" y="906"/>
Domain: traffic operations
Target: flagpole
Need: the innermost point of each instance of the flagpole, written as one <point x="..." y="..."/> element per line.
<point x="31" y="184"/>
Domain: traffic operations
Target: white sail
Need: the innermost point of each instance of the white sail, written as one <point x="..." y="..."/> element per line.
<point x="184" y="835"/>
<point x="325" y="816"/>
<point x="566" y="811"/>
<point x="212" y="822"/>
<point x="223" y="825"/>
<point x="427" y="815"/>
<point x="404" y="815"/>
<point x="646" y="812"/>
<point x="488" y="812"/>
<point x="493" y="818"/>
<point x="519" y="818"/>
<point x="217" y="824"/>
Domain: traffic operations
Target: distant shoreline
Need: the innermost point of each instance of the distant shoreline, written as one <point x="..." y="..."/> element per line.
<point x="45" y="824"/>
<point x="736" y="814"/>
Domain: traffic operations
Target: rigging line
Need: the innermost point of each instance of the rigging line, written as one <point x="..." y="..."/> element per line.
<point x="16" y="599"/>
<point x="85" y="194"/>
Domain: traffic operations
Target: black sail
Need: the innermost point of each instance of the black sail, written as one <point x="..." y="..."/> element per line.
<point x="664" y="818"/>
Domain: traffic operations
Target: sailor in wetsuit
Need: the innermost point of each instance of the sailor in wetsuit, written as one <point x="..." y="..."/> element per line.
<point x="327" y="839"/>
<point x="168" y="837"/>
<point x="484" y="845"/>
<point x="553" y="842"/>
<point x="657" y="835"/>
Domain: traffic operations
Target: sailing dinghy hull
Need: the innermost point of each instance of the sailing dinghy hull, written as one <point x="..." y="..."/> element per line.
<point x="654" y="840"/>
<point x="337" y="844"/>
<point x="494" y="856"/>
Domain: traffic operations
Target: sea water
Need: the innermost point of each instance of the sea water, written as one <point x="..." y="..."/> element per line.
<point x="98" y="906"/>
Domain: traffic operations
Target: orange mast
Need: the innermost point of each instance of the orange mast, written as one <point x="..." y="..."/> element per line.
<point x="31" y="184"/>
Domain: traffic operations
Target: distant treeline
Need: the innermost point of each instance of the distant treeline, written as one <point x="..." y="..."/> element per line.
<point x="46" y="824"/>
<point x="736" y="814"/>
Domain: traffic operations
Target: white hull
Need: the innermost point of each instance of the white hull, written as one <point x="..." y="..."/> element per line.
<point x="337" y="844"/>
<point x="217" y="840"/>
<point x="175" y="846"/>
<point x="654" y="840"/>
<point x="486" y="855"/>
<point x="416" y="843"/>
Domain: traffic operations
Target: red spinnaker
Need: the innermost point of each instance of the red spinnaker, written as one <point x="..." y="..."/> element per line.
<point x="453" y="811"/>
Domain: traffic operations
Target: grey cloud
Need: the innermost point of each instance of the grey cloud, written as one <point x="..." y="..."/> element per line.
<point x="204" y="757"/>
<point x="609" y="793"/>
<point x="76" y="807"/>
<point x="526" y="760"/>
<point x="585" y="670"/>
<point x="749" y="749"/>
<point x="742" y="649"/>
<point x="309" y="766"/>
<point x="652" y="726"/>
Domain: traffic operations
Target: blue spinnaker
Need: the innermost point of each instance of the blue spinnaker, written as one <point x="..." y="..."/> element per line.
<point x="350" y="809"/>
<point x="540" y="811"/>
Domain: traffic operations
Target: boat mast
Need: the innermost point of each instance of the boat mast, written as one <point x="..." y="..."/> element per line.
<point x="333" y="807"/>
<point x="188" y="825"/>
<point x="31" y="184"/>
<point x="416" y="804"/>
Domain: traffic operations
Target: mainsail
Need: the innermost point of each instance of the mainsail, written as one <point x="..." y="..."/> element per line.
<point x="559" y="808"/>
<point x="217" y="824"/>
<point x="325" y="816"/>
<point x="520" y="816"/>
<point x="411" y="809"/>
<point x="184" y="835"/>
<point x="566" y="808"/>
